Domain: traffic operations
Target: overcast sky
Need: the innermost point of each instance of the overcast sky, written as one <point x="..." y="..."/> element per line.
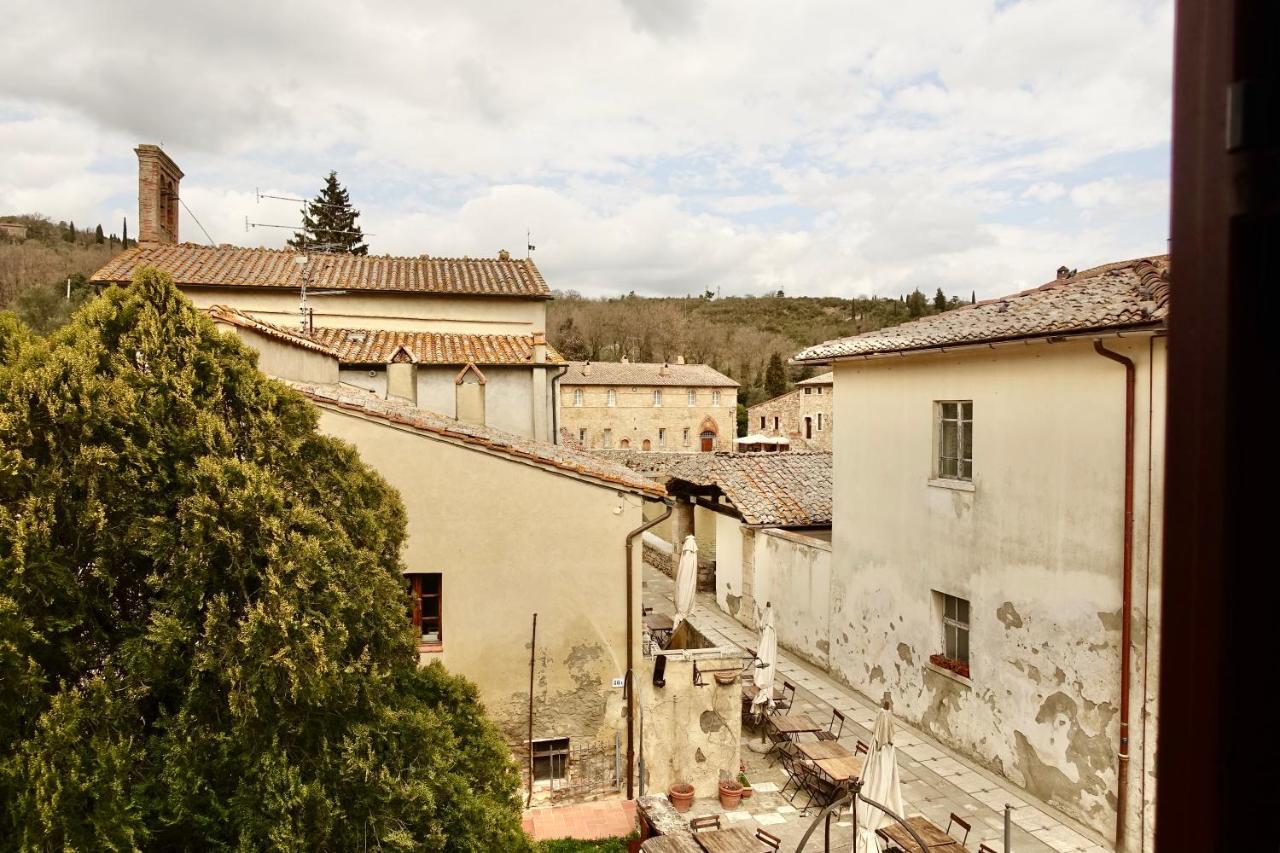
<point x="661" y="146"/>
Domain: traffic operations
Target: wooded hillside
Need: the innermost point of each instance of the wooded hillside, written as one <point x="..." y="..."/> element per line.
<point x="34" y="271"/>
<point x="737" y="335"/>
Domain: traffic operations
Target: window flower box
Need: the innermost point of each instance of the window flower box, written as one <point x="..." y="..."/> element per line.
<point x="958" y="667"/>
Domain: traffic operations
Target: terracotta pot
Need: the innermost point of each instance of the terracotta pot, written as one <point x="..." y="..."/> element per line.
<point x="681" y="796"/>
<point x="724" y="679"/>
<point x="730" y="795"/>
<point x="747" y="792"/>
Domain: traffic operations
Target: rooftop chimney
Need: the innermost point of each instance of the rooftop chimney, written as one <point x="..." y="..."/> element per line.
<point x="539" y="347"/>
<point x="1063" y="273"/>
<point x="626" y="360"/>
<point x="158" y="178"/>
<point x="679" y="359"/>
<point x="665" y="370"/>
<point x="504" y="255"/>
<point x="586" y="368"/>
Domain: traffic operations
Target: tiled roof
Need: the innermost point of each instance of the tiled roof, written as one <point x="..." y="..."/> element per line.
<point x="375" y="346"/>
<point x="827" y="378"/>
<point x="1124" y="295"/>
<point x="645" y="373"/>
<point x="227" y="314"/>
<point x="783" y="489"/>
<point x="237" y="266"/>
<point x="481" y="438"/>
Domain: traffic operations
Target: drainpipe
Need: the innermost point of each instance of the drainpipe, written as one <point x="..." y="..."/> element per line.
<point x="555" y="405"/>
<point x="1126" y="607"/>
<point x="629" y="688"/>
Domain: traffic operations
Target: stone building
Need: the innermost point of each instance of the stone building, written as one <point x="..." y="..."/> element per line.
<point x="473" y="330"/>
<point x="996" y="549"/>
<point x="803" y="415"/>
<point x="674" y="408"/>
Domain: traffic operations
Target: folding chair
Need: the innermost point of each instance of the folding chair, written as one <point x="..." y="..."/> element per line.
<point x="861" y="748"/>
<point x="958" y="821"/>
<point x="790" y="761"/>
<point x="772" y="842"/>
<point x="711" y="821"/>
<point x="788" y="696"/>
<point x="833" y="732"/>
<point x="982" y="848"/>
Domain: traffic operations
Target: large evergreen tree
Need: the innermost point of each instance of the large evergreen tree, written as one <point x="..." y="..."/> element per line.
<point x="329" y="222"/>
<point x="124" y="232"/>
<point x="98" y="236"/>
<point x="939" y="301"/>
<point x="203" y="641"/>
<point x="775" y="377"/>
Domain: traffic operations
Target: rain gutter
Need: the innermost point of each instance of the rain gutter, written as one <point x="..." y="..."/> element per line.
<point x="629" y="686"/>
<point x="1137" y="331"/>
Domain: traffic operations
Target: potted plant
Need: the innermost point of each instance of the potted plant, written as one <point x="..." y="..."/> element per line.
<point x="746" y="785"/>
<point x="681" y="796"/>
<point x="730" y="794"/>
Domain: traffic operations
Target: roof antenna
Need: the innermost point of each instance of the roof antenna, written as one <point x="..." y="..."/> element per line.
<point x="528" y="244"/>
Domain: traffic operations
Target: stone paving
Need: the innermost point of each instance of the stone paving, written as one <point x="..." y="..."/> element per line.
<point x="935" y="781"/>
<point x="605" y="819"/>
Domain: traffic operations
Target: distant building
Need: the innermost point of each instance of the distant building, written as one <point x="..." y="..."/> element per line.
<point x="15" y="231"/>
<point x="803" y="415"/>
<point x="473" y="329"/>
<point x="998" y="495"/>
<point x="668" y="407"/>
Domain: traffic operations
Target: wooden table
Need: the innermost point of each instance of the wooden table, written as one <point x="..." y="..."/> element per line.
<point x="819" y="749"/>
<point x="794" y="724"/>
<point x="658" y="622"/>
<point x="840" y="769"/>
<point x="934" y="837"/>
<point x="750" y="691"/>
<point x="670" y="844"/>
<point x="735" y="839"/>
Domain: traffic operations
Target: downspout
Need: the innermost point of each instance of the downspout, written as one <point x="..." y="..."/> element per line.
<point x="555" y="404"/>
<point x="1126" y="607"/>
<point x="629" y="688"/>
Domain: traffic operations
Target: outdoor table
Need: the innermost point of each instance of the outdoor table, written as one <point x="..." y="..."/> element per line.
<point x="841" y="769"/>
<point x="658" y="622"/>
<point x="750" y="692"/>
<point x="818" y="749"/>
<point x="935" y="838"/>
<point x="789" y="725"/>
<point x="732" y="840"/>
<point x="670" y="844"/>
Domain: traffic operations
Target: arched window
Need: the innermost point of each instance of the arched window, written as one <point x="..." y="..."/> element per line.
<point x="645" y="445"/>
<point x="625" y="443"/>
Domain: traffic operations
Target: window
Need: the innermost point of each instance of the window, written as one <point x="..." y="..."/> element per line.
<point x="762" y="422"/>
<point x="693" y="397"/>
<point x="657" y="397"/>
<point x="551" y="760"/>
<point x="427" y="614"/>
<point x="577" y="396"/>
<point x="955" y="630"/>
<point x="625" y="444"/>
<point x="645" y="445"/>
<point x="955" y="440"/>
<point x="613" y="397"/>
<point x="606" y="439"/>
<point x="715" y="398"/>
<point x="819" y="389"/>
<point x="662" y="437"/>
<point x="819" y="421"/>
<point x="808" y="427"/>
<point x="775" y="422"/>
<point x="582" y="437"/>
<point x="685" y="437"/>
<point x="808" y="390"/>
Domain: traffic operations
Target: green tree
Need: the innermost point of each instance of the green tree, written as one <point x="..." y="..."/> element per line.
<point x="44" y="308"/>
<point x="916" y="304"/>
<point x="202" y="632"/>
<point x="775" y="377"/>
<point x="124" y="232"/>
<point x="329" y="222"/>
<point x="98" y="236"/>
<point x="742" y="420"/>
<point x="70" y="236"/>
<point x="939" y="301"/>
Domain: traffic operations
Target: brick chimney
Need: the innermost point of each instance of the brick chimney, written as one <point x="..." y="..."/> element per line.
<point x="586" y="368"/>
<point x="158" y="178"/>
<point x="679" y="359"/>
<point x="665" y="370"/>
<point x="539" y="347"/>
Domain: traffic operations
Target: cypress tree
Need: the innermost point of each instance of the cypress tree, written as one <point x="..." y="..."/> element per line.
<point x="125" y="232"/>
<point x="775" y="377"/>
<point x="329" y="222"/>
<point x="939" y="301"/>
<point x="973" y="297"/>
<point x="98" y="236"/>
<point x="203" y="643"/>
<point x="70" y="236"/>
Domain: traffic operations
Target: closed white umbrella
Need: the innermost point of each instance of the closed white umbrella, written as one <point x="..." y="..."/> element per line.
<point x="686" y="580"/>
<point x="880" y="782"/>
<point x="767" y="666"/>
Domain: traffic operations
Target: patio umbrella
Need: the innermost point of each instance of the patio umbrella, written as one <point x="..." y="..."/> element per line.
<point x="686" y="580"/>
<point x="880" y="782"/>
<point x="768" y="662"/>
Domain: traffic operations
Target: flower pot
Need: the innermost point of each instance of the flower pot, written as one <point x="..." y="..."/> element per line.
<point x="730" y="795"/>
<point x="681" y="796"/>
<point x="724" y="679"/>
<point x="746" y="793"/>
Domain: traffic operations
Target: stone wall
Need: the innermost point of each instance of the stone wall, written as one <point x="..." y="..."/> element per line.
<point x="666" y="563"/>
<point x="635" y="420"/>
<point x="789" y="412"/>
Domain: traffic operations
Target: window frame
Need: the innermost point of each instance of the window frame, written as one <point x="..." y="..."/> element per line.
<point x="417" y="582"/>
<point x="693" y="397"/>
<point x="577" y="397"/>
<point x="715" y="399"/>
<point x="958" y="468"/>
<point x="546" y="757"/>
<point x="611" y="397"/>
<point x="657" y="398"/>
<point x="686" y="436"/>
<point x="662" y="437"/>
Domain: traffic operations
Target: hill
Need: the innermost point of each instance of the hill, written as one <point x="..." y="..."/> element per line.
<point x="736" y="335"/>
<point x="34" y="271"/>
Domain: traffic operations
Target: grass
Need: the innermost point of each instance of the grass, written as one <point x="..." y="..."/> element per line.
<point x="573" y="845"/>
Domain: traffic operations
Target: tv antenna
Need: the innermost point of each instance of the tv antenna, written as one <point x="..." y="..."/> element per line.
<point x="307" y="273"/>
<point x="528" y="244"/>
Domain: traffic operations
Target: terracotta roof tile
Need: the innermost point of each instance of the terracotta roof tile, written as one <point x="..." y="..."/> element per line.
<point x="237" y="266"/>
<point x="644" y="373"/>
<point x="1128" y="294"/>
<point x="375" y="346"/>
<point x="227" y="314"/>
<point x="481" y="438"/>
<point x="827" y="378"/>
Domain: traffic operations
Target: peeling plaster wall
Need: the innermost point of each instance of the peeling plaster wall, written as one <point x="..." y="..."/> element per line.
<point x="691" y="733"/>
<point x="793" y="572"/>
<point x="1035" y="547"/>
<point x="502" y="561"/>
<point x="728" y="564"/>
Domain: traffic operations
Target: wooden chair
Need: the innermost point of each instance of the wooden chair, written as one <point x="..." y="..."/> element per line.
<point x="711" y="821"/>
<point x="833" y="732"/>
<point x="961" y="822"/>
<point x="772" y="842"/>
<point x="982" y="848"/>
<point x="861" y="748"/>
<point x="788" y="696"/>
<point x="790" y="761"/>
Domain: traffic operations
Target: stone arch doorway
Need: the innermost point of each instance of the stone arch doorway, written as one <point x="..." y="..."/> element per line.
<point x="708" y="432"/>
<point x="645" y="445"/>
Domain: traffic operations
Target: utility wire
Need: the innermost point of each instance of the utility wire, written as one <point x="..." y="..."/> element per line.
<point x="197" y="222"/>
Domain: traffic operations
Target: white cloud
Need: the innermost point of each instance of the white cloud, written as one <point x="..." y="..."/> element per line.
<point x="654" y="145"/>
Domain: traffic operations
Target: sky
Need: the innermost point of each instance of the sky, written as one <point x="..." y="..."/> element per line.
<point x="665" y="147"/>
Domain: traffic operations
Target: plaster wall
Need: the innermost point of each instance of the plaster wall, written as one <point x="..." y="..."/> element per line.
<point x="728" y="564"/>
<point x="1034" y="544"/>
<point x="504" y="560"/>
<point x="793" y="572"/>
<point x="285" y="361"/>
